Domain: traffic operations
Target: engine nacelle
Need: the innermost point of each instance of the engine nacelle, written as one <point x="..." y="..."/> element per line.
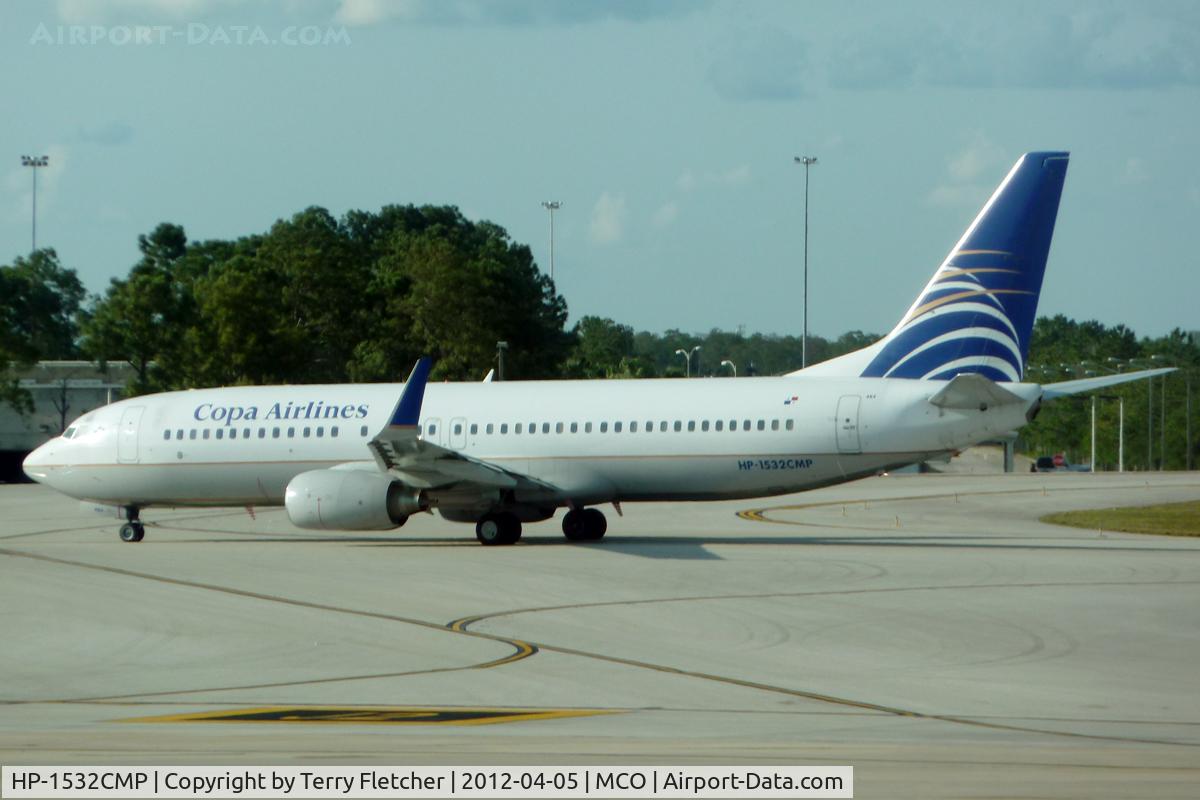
<point x="350" y="500"/>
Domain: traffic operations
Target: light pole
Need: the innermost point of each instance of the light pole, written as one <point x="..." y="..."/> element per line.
<point x="501" y="348"/>
<point x="34" y="162"/>
<point x="687" y="355"/>
<point x="731" y="365"/>
<point x="807" y="161"/>
<point x="551" y="206"/>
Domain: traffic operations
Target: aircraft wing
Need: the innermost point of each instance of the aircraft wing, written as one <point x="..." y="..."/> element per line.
<point x="399" y="450"/>
<point x="1053" y="390"/>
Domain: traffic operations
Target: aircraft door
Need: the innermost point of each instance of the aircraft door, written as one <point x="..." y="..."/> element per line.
<point x="458" y="433"/>
<point x="127" y="435"/>
<point x="847" y="424"/>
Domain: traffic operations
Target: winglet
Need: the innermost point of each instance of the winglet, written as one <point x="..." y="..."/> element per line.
<point x="408" y="407"/>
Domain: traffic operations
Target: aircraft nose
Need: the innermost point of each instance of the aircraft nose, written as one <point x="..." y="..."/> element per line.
<point x="34" y="463"/>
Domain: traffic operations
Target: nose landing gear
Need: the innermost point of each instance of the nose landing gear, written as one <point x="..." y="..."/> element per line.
<point x="133" y="530"/>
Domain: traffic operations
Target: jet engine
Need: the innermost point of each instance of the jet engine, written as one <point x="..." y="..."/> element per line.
<point x="350" y="500"/>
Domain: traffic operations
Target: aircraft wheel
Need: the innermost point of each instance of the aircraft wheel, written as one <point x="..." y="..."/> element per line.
<point x="594" y="524"/>
<point x="496" y="529"/>
<point x="133" y="532"/>
<point x="574" y="525"/>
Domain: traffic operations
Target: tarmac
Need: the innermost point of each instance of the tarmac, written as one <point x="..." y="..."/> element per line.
<point x="926" y="629"/>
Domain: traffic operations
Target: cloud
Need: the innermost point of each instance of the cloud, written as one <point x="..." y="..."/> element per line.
<point x="970" y="174"/>
<point x="608" y="219"/>
<point x="1134" y="172"/>
<point x="689" y="181"/>
<point x="665" y="215"/>
<point x="78" y="12"/>
<point x="109" y="134"/>
<point x="511" y="12"/>
<point x="762" y="64"/>
<point x="1090" y="49"/>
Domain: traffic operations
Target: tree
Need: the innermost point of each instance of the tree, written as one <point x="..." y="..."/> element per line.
<point x="39" y="317"/>
<point x="143" y="319"/>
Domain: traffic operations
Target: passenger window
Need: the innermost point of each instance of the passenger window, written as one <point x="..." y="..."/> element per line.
<point x="733" y="424"/>
<point x="474" y="428"/>
<point x="691" y="425"/>
<point x="762" y="425"/>
<point x="574" y="427"/>
<point x="362" y="431"/>
<point x="220" y="433"/>
<point x="533" y="427"/>
<point x="179" y="434"/>
<point x="274" y="433"/>
<point x="662" y="426"/>
<point x="245" y="433"/>
<point x="678" y="426"/>
<point x="291" y="433"/>
<point x="616" y="427"/>
<point x="587" y="427"/>
<point x="545" y="427"/>
<point x="333" y="431"/>
<point x="489" y="428"/>
<point x="205" y="434"/>
<point x="517" y="428"/>
<point x="262" y="433"/>
<point x="432" y="429"/>
<point x="166" y="435"/>
<point x="458" y="429"/>
<point x="320" y="431"/>
<point x="307" y="432"/>
<point x="649" y="426"/>
<point x="233" y="433"/>
<point x="558" y="427"/>
<point x="774" y="424"/>
<point x="704" y="425"/>
<point x="604" y="427"/>
<point x="192" y="433"/>
<point x="746" y="425"/>
<point x="720" y="425"/>
<point x="633" y="427"/>
<point x="504" y="427"/>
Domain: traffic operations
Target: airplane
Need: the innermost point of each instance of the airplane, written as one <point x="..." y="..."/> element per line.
<point x="358" y="457"/>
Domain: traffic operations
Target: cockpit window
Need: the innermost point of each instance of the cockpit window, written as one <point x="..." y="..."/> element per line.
<point x="69" y="433"/>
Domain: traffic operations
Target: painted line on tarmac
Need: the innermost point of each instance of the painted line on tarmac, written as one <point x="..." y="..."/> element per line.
<point x="465" y="622"/>
<point x="521" y="649"/>
<point x="384" y="715"/>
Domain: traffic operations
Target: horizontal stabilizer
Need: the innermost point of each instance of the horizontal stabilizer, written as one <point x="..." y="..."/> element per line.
<point x="975" y="391"/>
<point x="1053" y="390"/>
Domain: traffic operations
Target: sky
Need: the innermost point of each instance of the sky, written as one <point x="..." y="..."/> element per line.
<point x="667" y="130"/>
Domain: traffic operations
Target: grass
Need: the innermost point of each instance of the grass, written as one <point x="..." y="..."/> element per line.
<point x="1171" y="519"/>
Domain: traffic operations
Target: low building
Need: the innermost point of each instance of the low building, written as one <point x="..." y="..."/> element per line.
<point x="61" y="391"/>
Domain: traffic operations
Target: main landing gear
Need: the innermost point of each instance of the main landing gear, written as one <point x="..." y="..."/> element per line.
<point x="584" y="525"/>
<point x="133" y="530"/>
<point x="502" y="528"/>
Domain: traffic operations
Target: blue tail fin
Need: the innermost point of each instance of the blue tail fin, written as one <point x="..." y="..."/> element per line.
<point x="976" y="314"/>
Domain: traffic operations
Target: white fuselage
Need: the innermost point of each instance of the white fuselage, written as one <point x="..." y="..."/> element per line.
<point x="593" y="441"/>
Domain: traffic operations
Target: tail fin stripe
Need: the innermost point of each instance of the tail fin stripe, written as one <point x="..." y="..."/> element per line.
<point x="935" y="326"/>
<point x="965" y="352"/>
<point x="963" y="336"/>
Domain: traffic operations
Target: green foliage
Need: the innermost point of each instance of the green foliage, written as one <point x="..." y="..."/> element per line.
<point x="39" y="317"/>
<point x="1155" y="424"/>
